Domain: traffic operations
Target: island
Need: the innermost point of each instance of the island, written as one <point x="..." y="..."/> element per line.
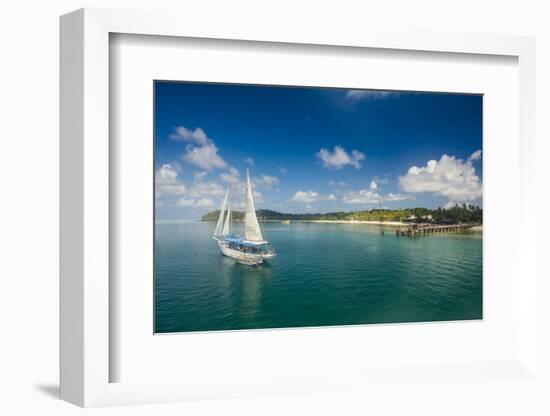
<point x="454" y="215"/>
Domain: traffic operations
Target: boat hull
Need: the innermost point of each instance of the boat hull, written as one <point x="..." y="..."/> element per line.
<point x="239" y="256"/>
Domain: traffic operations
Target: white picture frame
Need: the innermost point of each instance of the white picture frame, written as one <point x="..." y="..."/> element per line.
<point x="86" y="213"/>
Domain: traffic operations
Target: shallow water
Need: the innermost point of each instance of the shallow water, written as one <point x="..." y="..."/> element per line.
<point x="324" y="274"/>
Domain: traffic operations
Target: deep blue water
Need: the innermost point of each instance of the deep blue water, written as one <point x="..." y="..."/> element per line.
<point x="324" y="274"/>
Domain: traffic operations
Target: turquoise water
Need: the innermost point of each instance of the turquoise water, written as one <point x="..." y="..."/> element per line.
<point x="324" y="274"/>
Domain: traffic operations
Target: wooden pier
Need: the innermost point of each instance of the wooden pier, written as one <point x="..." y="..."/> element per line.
<point x="421" y="229"/>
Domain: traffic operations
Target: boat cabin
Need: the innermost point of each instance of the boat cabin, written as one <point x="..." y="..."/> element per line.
<point x="246" y="246"/>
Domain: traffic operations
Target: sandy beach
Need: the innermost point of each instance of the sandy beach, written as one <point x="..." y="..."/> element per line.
<point x="391" y="223"/>
<point x="477" y="228"/>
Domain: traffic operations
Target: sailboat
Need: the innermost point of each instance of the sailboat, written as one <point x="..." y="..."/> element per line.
<point x="251" y="248"/>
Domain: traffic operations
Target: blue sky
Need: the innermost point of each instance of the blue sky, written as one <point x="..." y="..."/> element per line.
<point x="314" y="149"/>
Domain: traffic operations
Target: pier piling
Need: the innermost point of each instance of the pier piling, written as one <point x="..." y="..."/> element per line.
<point x="421" y="229"/>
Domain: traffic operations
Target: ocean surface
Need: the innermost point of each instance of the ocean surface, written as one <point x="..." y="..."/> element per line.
<point x="324" y="274"/>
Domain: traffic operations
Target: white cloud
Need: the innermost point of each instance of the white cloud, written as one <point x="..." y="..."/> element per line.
<point x="200" y="189"/>
<point x="204" y="203"/>
<point x="166" y="180"/>
<point x="183" y="202"/>
<point x="205" y="157"/>
<point x="384" y="179"/>
<point x="199" y="175"/>
<point x="183" y="134"/>
<point x="371" y="196"/>
<point x="305" y="196"/>
<point x="282" y="169"/>
<point x="340" y="158"/>
<point x="364" y="196"/>
<point x="449" y="177"/>
<point x="337" y="183"/>
<point x="266" y="181"/>
<point x="358" y="95"/>
<point x="397" y="197"/>
<point x="258" y="197"/>
<point x="475" y="156"/>
<point x="199" y="193"/>
<point x="311" y="196"/>
<point x="197" y="203"/>
<point x="250" y="161"/>
<point x="201" y="150"/>
<point x="238" y="198"/>
<point x="232" y="176"/>
<point x="207" y="193"/>
<point x="166" y="174"/>
<point x="449" y="205"/>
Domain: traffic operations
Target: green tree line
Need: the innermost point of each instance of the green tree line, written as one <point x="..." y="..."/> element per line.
<point x="454" y="215"/>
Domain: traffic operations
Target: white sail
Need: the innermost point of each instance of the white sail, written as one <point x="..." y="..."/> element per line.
<point x="227" y="223"/>
<point x="219" y="225"/>
<point x="252" y="231"/>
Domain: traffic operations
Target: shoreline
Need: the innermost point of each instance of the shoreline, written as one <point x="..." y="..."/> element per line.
<point x="475" y="228"/>
<point x="370" y="222"/>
